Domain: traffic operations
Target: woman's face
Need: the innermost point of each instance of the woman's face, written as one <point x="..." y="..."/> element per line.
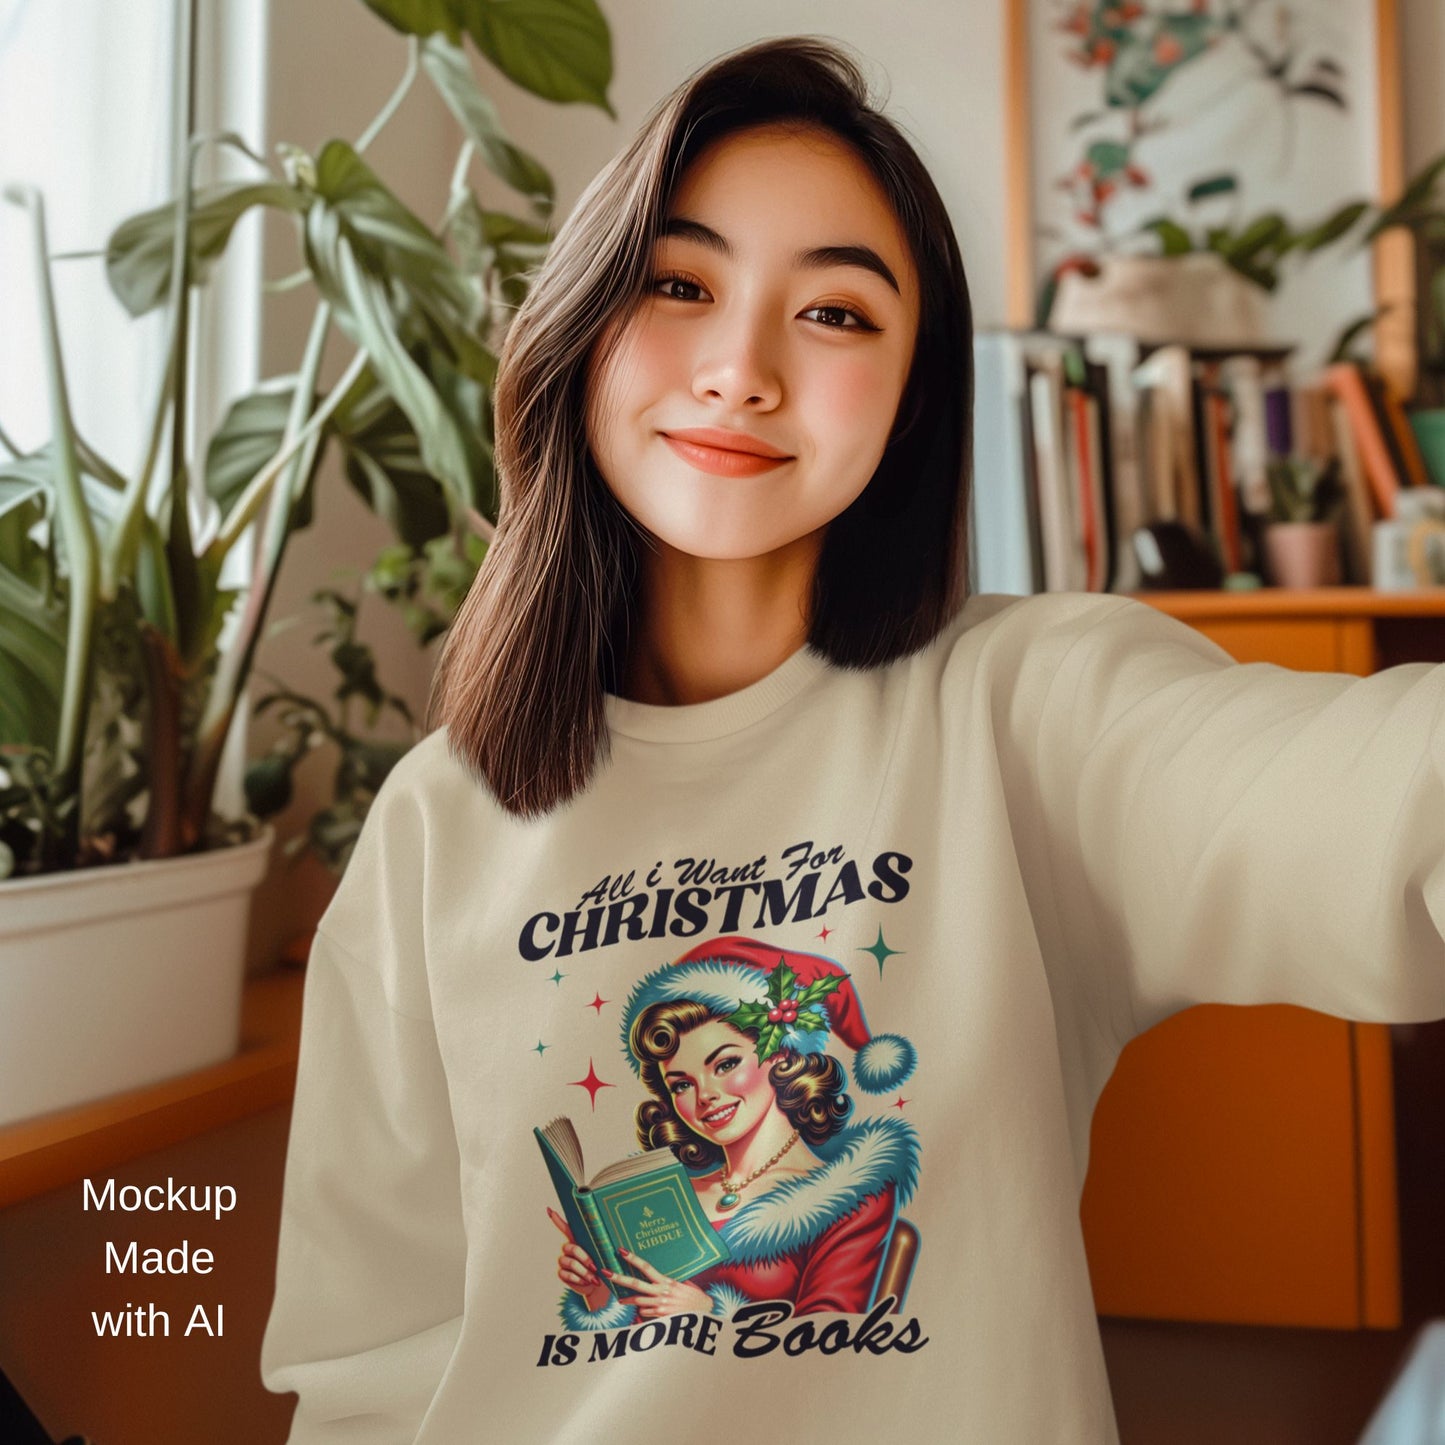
<point x="719" y="1089"/>
<point x="751" y="396"/>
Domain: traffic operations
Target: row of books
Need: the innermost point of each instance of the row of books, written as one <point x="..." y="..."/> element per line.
<point x="1079" y="441"/>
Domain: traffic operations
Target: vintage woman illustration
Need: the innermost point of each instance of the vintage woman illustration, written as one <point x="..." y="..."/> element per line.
<point x="730" y="1041"/>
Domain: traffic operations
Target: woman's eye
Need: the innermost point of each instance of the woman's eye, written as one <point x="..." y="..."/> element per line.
<point x="678" y="288"/>
<point x="726" y="1066"/>
<point x="840" y="318"/>
<point x="678" y="1087"/>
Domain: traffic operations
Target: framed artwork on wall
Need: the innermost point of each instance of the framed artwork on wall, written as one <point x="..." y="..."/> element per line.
<point x="1141" y="127"/>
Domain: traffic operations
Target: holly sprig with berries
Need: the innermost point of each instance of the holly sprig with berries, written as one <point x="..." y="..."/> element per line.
<point x="787" y="1007"/>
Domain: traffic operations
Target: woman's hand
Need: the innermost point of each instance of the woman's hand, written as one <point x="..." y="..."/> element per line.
<point x="656" y="1294"/>
<point x="576" y="1270"/>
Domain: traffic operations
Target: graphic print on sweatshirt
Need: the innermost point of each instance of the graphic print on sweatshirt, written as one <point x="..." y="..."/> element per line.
<point x="772" y="1165"/>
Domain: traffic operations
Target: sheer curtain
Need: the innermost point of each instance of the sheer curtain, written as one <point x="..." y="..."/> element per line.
<point x="87" y="116"/>
<point x="91" y="104"/>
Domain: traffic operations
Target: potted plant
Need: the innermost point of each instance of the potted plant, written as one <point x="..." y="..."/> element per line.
<point x="1205" y="282"/>
<point x="1301" y="533"/>
<point x="428" y="587"/>
<point x="123" y="658"/>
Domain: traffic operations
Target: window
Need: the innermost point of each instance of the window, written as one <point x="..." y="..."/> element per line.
<point x="93" y="96"/>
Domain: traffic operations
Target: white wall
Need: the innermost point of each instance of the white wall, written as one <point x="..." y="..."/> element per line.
<point x="938" y="61"/>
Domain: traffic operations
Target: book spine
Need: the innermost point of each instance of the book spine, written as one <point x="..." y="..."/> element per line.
<point x="1279" y="433"/>
<point x="1349" y="385"/>
<point x="600" y="1237"/>
<point x="1225" y="509"/>
<point x="1086" y="536"/>
<point x="1406" y="447"/>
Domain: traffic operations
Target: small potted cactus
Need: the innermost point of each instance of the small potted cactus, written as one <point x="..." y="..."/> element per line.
<point x="1302" y="533"/>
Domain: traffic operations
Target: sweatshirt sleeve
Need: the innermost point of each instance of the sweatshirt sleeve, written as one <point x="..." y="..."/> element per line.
<point x="372" y="1252"/>
<point x="1241" y="833"/>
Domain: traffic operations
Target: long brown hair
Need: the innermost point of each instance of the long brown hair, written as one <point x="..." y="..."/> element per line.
<point x="809" y="1087"/>
<point x="544" y="632"/>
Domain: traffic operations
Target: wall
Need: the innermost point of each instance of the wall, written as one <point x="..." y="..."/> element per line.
<point x="331" y="67"/>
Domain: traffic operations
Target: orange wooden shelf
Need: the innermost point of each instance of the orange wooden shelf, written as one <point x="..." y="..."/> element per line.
<point x="1267" y="602"/>
<point x="38" y="1155"/>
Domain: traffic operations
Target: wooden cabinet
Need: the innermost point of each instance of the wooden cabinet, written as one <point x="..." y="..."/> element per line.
<point x="1242" y="1165"/>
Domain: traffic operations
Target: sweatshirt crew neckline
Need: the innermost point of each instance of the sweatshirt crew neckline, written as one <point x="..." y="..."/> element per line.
<point x="700" y="721"/>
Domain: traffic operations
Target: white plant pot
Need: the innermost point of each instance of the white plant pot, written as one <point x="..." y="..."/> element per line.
<point x="1196" y="299"/>
<point x="117" y="976"/>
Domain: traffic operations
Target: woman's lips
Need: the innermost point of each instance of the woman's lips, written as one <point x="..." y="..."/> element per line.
<point x="722" y="461"/>
<point x="719" y="1117"/>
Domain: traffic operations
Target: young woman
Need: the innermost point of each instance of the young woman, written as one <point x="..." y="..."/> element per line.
<point x="731" y="1041"/>
<point x="715" y="680"/>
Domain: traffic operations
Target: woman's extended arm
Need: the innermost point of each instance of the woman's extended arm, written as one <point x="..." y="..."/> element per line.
<point x="1218" y="832"/>
<point x="372" y="1256"/>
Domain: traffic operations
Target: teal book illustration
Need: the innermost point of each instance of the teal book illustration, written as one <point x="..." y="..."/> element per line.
<point x="644" y="1203"/>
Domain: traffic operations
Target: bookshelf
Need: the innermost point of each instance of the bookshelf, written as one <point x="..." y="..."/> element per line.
<point x="1243" y="1162"/>
<point x="1081" y="440"/>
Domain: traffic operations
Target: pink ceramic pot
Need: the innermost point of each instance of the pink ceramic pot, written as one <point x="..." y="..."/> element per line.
<point x="1303" y="554"/>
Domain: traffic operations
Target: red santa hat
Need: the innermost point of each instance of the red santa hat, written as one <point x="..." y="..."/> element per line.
<point x="789" y="1000"/>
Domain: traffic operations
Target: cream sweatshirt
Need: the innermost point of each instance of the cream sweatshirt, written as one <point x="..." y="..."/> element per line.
<point x="969" y="878"/>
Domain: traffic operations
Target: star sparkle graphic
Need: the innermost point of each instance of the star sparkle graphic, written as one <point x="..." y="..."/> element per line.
<point x="597" y="1002"/>
<point x="592" y="1084"/>
<point x="880" y="951"/>
<point x="901" y="1102"/>
<point x="824" y="934"/>
<point x="541" y="1048"/>
<point x="558" y="977"/>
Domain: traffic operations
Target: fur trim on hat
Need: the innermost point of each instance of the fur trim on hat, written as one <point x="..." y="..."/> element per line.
<point x="883" y="1063"/>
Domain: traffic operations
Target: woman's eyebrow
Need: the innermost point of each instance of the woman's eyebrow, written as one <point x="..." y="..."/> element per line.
<point x="816" y="258"/>
<point x="862" y="256"/>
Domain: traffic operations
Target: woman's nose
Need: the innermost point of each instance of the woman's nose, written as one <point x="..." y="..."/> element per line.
<point x="737" y="367"/>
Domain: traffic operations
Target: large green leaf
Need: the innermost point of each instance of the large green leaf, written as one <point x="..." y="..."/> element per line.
<point x="383" y="461"/>
<point x="29" y="711"/>
<point x="470" y="401"/>
<point x="451" y="73"/>
<point x="246" y="441"/>
<point x="138" y="254"/>
<point x="363" y="309"/>
<point x="31" y="478"/>
<point x="385" y="236"/>
<point x="19" y="551"/>
<point x="32" y="662"/>
<point x="418" y="17"/>
<point x="558" y="49"/>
